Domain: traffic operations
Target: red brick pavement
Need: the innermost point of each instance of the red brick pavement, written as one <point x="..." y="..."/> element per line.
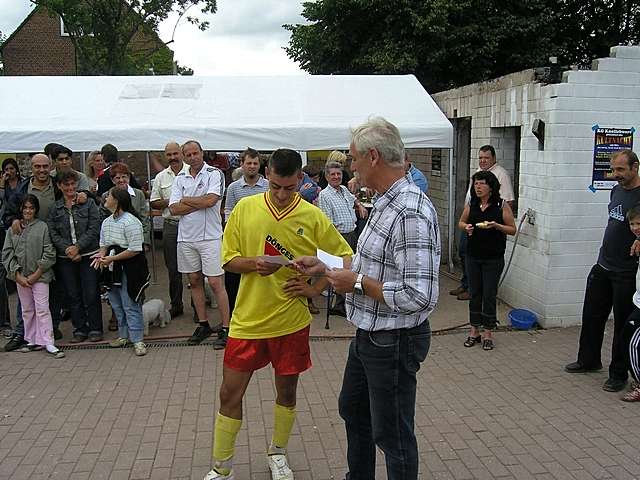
<point x="508" y="414"/>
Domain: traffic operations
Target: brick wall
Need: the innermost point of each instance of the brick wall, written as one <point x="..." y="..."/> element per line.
<point x="553" y="257"/>
<point x="39" y="49"/>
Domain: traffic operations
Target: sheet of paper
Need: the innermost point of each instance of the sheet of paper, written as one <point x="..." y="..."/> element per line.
<point x="331" y="261"/>
<point x="279" y="260"/>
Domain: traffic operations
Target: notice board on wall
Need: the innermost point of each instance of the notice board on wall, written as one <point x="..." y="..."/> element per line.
<point x="608" y="141"/>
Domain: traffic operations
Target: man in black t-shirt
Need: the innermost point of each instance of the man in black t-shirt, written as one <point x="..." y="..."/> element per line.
<point x="611" y="282"/>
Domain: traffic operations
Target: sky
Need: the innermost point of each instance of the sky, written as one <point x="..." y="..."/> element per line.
<point x="245" y="37"/>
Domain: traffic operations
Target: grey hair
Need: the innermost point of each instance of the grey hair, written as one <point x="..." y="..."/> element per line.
<point x="381" y="135"/>
<point x="332" y="164"/>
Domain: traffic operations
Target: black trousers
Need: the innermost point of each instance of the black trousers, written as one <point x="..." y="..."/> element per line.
<point x="606" y="290"/>
<point x="631" y="338"/>
<point x="484" y="276"/>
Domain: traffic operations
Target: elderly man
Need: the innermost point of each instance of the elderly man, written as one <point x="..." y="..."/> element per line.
<point x="42" y="185"/>
<point x="486" y="162"/>
<point x="391" y="287"/>
<point x="340" y="205"/>
<point x="195" y="196"/>
<point x="251" y="183"/>
<point x="611" y="283"/>
<point x="160" y="195"/>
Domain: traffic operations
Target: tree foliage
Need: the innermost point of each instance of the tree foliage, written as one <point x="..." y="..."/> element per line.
<point x="448" y="43"/>
<point x="117" y="37"/>
<point x="2" y="39"/>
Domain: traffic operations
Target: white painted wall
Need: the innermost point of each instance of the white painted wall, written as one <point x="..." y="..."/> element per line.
<point x="553" y="257"/>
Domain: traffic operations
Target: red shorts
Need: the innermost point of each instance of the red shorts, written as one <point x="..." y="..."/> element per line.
<point x="289" y="354"/>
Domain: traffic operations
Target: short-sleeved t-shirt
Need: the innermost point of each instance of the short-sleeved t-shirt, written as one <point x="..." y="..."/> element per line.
<point x="206" y="223"/>
<point x="257" y="228"/>
<point x="618" y="238"/>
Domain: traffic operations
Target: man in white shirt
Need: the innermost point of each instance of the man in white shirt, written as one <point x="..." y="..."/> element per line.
<point x="487" y="162"/>
<point x="195" y="196"/>
<point x="160" y="195"/>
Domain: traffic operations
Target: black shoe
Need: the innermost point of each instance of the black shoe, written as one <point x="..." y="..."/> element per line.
<point x="57" y="334"/>
<point x="577" y="367"/>
<point x="221" y="341"/>
<point x="201" y="333"/>
<point x="15" y="343"/>
<point x="176" y="311"/>
<point x="95" y="337"/>
<point x="340" y="312"/>
<point x="614" y="385"/>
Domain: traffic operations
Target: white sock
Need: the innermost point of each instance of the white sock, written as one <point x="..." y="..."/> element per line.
<point x="51" y="348"/>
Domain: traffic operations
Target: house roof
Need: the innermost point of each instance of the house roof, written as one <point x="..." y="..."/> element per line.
<point x="19" y="27"/>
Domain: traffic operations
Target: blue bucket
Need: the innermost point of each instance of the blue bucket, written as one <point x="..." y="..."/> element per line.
<point x="522" y="319"/>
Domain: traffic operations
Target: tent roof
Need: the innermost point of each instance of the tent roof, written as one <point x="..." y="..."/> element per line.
<point x="224" y="113"/>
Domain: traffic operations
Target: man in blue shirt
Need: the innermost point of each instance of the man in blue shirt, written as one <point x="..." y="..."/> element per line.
<point x="416" y="176"/>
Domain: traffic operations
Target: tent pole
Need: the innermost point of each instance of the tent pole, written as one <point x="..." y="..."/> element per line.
<point x="153" y="242"/>
<point x="452" y="212"/>
<point x="83" y="161"/>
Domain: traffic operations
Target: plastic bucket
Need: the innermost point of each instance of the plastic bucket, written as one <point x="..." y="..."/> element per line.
<point x="522" y="319"/>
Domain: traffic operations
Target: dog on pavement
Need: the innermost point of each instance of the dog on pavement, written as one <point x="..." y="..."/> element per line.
<point x="154" y="312"/>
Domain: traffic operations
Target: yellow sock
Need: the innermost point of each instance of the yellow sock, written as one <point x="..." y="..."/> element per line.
<point x="283" y="420"/>
<point x="224" y="439"/>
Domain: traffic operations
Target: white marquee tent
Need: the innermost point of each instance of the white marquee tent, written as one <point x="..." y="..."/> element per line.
<point x="224" y="113"/>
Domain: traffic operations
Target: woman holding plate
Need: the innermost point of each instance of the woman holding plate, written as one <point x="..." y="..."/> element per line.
<point x="488" y="220"/>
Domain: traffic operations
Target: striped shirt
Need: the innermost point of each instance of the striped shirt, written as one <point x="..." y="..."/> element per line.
<point x="337" y="204"/>
<point x="240" y="189"/>
<point x="400" y="247"/>
<point x="124" y="231"/>
<point x="206" y="223"/>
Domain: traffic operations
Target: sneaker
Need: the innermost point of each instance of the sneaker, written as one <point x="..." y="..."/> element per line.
<point x="279" y="467"/>
<point x="213" y="475"/>
<point x="56" y="353"/>
<point x="632" y="395"/>
<point x="614" y="385"/>
<point x="201" y="333"/>
<point x="30" y="347"/>
<point x="140" y="349"/>
<point x="119" y="343"/>
<point x="221" y="341"/>
<point x="15" y="343"/>
<point x="577" y="367"/>
<point x="78" y="338"/>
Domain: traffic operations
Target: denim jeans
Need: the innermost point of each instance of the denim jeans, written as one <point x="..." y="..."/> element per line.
<point x="378" y="399"/>
<point x="484" y="276"/>
<point x="128" y="313"/>
<point x="81" y="284"/>
<point x="462" y="253"/>
<point x="606" y="290"/>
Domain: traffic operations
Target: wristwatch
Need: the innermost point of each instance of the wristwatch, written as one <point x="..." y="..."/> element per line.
<point x="357" y="287"/>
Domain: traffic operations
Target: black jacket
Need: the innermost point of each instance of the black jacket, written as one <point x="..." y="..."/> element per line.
<point x="136" y="270"/>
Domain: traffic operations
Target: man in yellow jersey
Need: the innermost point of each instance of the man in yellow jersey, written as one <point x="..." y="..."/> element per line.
<point x="270" y="322"/>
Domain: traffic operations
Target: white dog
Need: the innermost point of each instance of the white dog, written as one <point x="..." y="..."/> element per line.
<point x="155" y="313"/>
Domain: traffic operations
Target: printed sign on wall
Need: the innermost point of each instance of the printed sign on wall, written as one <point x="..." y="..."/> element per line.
<point x="608" y="141"/>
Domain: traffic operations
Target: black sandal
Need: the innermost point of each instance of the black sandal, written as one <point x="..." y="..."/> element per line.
<point x="471" y="341"/>
<point x="487" y="344"/>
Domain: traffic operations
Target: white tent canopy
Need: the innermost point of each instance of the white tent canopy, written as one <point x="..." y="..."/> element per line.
<point x="224" y="113"/>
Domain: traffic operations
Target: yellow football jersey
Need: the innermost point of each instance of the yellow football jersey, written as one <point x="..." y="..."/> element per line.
<point x="257" y="228"/>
